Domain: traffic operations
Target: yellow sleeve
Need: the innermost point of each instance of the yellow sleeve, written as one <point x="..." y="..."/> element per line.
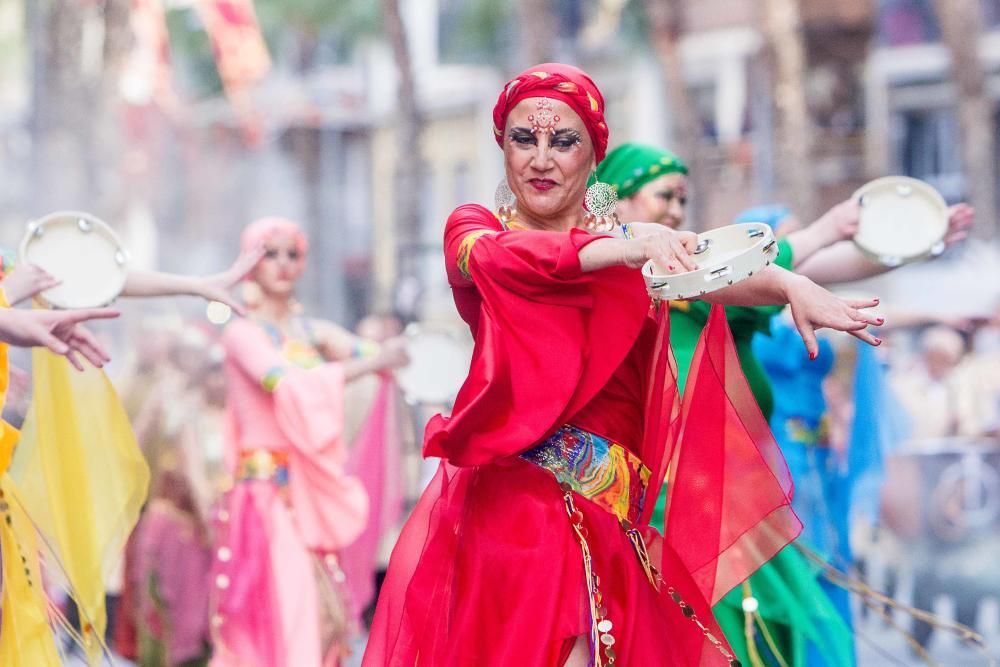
<point x="8" y="434"/>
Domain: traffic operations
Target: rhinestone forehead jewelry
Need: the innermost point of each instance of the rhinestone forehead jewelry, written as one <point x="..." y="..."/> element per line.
<point x="545" y="118"/>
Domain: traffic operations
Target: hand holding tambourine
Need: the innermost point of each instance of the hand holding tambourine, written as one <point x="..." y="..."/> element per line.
<point x="721" y="257"/>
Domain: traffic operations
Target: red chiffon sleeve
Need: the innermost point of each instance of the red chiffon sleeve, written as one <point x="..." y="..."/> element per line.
<point x="729" y="503"/>
<point x="548" y="336"/>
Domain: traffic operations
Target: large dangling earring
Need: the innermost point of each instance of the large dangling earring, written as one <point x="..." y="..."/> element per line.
<point x="506" y="202"/>
<point x="601" y="201"/>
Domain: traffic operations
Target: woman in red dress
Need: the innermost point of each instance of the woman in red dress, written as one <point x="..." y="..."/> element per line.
<point x="532" y="545"/>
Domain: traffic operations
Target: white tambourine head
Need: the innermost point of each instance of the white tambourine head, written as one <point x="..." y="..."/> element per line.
<point x="439" y="364"/>
<point x="902" y="220"/>
<point x="82" y="252"/>
<point x="725" y="256"/>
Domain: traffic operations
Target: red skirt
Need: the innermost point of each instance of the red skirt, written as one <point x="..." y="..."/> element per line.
<point x="489" y="571"/>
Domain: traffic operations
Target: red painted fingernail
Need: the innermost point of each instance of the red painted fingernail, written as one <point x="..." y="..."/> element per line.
<point x="878" y="341"/>
<point x="876" y="299"/>
<point x="812" y="356"/>
<point x="881" y="320"/>
<point x="670" y="267"/>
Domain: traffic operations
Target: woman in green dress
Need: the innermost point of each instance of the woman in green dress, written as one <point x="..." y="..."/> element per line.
<point x="770" y="618"/>
<point x="781" y="609"/>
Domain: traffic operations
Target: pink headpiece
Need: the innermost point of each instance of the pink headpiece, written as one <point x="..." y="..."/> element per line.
<point x="259" y="231"/>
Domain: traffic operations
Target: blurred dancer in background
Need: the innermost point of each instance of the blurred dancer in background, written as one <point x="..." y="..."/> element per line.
<point x="279" y="598"/>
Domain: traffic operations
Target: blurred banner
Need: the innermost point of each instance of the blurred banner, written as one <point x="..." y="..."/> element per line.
<point x="240" y="51"/>
<point x="147" y="76"/>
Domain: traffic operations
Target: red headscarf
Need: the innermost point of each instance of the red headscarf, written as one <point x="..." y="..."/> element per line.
<point x="557" y="82"/>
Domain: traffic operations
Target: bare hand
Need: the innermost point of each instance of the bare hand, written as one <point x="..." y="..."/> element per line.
<point x="25" y="281"/>
<point x="58" y="330"/>
<point x="393" y="353"/>
<point x="961" y="218"/>
<point x="671" y="251"/>
<point x="841" y="222"/>
<point x="813" y="307"/>
<point x="218" y="286"/>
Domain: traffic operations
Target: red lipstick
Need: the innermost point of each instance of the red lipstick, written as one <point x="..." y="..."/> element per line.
<point x="542" y="184"/>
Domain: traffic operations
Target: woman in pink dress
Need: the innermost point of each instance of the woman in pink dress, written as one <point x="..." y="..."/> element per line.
<point x="278" y="599"/>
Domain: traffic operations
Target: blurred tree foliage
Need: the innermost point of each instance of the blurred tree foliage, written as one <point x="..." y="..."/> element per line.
<point x="476" y="31"/>
<point x="300" y="35"/>
<point x="193" y="64"/>
<point x="306" y="33"/>
<point x="356" y="17"/>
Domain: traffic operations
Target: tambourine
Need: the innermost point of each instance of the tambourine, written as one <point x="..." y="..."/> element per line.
<point x="902" y="220"/>
<point x="725" y="256"/>
<point x="439" y="364"/>
<point x="82" y="252"/>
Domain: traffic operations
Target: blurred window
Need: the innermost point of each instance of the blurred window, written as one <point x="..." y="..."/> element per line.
<point x="925" y="148"/>
<point x="991" y="13"/>
<point x="902" y="22"/>
<point x="703" y="99"/>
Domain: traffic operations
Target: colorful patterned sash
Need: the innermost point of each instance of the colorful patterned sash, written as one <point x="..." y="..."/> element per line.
<point x="602" y="471"/>
<point x="263" y="465"/>
<point x="799" y="430"/>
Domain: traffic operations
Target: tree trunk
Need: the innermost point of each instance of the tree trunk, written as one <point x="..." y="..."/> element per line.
<point x="960" y="22"/>
<point x="76" y="142"/>
<point x="408" y="128"/>
<point x="58" y="97"/>
<point x="666" y="21"/>
<point x="793" y="126"/>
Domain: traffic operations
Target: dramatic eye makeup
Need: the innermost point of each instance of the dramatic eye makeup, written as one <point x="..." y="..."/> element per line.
<point x="566" y="138"/>
<point x="670" y="195"/>
<point x="522" y="136"/>
<point x="563" y="139"/>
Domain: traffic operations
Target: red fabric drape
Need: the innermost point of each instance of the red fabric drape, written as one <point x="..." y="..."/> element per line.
<point x="729" y="483"/>
<point x="375" y="461"/>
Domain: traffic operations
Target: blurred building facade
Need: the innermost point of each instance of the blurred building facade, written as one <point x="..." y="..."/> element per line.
<point x="325" y="150"/>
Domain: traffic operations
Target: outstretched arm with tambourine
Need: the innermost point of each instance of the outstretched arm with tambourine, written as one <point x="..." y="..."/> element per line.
<point x="72" y="259"/>
<point x="888" y="222"/>
<point x="28" y="280"/>
<point x="813" y="307"/>
<point x="845" y="262"/>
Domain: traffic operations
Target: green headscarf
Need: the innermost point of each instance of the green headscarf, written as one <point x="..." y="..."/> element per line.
<point x="630" y="166"/>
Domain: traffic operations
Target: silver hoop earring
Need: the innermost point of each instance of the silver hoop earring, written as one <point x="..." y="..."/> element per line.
<point x="601" y="202"/>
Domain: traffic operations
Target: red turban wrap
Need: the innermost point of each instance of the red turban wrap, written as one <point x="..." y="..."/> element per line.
<point x="557" y="82"/>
